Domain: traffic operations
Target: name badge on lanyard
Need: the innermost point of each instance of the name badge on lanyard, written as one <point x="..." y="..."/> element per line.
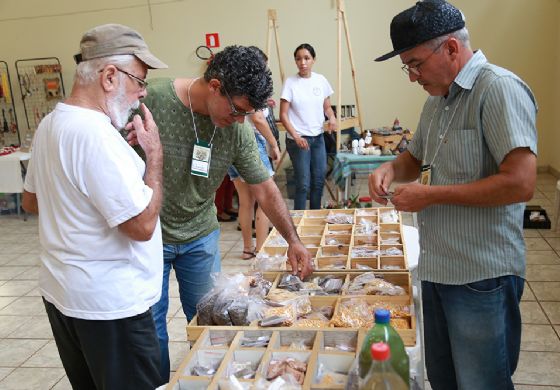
<point x="426" y="174"/>
<point x="200" y="165"/>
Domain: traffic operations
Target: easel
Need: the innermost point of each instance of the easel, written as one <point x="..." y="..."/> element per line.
<point x="273" y="29"/>
<point x="341" y="19"/>
<point x="272" y="26"/>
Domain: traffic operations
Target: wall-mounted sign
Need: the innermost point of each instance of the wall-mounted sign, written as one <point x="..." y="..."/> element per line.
<point x="213" y="40"/>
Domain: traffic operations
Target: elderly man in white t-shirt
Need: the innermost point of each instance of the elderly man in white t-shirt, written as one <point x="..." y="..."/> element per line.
<point x="98" y="206"/>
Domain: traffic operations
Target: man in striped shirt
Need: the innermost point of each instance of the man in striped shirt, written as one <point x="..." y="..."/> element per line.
<point x="475" y="154"/>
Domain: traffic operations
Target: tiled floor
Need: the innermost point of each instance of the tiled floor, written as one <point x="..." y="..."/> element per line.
<point x="29" y="359"/>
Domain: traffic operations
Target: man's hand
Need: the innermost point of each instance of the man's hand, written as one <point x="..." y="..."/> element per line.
<point x="379" y="182"/>
<point x="412" y="197"/>
<point x="300" y="260"/>
<point x="144" y="132"/>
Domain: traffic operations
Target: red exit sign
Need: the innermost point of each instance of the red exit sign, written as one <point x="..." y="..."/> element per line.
<point x="213" y="40"/>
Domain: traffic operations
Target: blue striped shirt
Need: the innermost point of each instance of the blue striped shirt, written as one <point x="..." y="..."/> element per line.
<point x="489" y="112"/>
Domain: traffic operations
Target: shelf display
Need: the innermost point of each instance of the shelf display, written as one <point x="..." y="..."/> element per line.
<point x="227" y="359"/>
<point x="253" y="327"/>
<point x="320" y="301"/>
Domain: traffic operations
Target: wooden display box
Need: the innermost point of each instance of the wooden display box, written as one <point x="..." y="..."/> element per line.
<point x="331" y="244"/>
<point x="402" y="279"/>
<point x="335" y="349"/>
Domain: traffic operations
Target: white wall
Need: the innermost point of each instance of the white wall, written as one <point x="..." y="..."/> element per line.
<point x="521" y="35"/>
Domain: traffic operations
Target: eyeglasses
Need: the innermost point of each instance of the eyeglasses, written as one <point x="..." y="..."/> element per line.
<point x="143" y="84"/>
<point x="415" y="70"/>
<point x="234" y="111"/>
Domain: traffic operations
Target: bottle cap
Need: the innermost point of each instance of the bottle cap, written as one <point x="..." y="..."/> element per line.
<point x="380" y="351"/>
<point x="382" y="316"/>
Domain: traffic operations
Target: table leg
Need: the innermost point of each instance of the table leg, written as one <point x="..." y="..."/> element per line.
<point x="346" y="187"/>
<point x="18" y="204"/>
<point x="18" y="207"/>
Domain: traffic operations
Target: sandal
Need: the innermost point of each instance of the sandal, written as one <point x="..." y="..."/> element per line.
<point x="225" y="218"/>
<point x="248" y="255"/>
<point x="232" y="213"/>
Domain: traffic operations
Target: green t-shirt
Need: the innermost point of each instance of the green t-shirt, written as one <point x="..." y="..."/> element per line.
<point x="188" y="210"/>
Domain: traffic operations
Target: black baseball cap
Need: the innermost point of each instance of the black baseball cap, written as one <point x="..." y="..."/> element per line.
<point x="422" y="22"/>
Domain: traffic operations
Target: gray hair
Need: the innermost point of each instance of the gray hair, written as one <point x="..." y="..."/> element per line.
<point x="87" y="71"/>
<point x="461" y="35"/>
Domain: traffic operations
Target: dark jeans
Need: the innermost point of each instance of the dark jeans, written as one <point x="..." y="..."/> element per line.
<point x="107" y="354"/>
<point x="472" y="333"/>
<point x="310" y="169"/>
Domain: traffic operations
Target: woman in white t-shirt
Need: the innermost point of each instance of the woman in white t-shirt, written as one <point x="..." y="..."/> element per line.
<point x="305" y="101"/>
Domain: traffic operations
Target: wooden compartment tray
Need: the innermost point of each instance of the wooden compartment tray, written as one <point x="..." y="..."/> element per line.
<point x="331" y="244"/>
<point x="401" y="279"/>
<point x="334" y="349"/>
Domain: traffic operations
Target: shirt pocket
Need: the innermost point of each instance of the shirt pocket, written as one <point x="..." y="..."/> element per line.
<point x="460" y="159"/>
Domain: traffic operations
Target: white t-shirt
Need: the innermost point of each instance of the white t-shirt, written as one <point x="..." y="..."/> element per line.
<point x="306" y="97"/>
<point x="88" y="180"/>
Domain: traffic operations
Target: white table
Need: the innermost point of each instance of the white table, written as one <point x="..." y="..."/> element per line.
<point x="11" y="174"/>
<point x="415" y="353"/>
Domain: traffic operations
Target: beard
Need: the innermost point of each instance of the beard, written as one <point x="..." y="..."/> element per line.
<point x="120" y="109"/>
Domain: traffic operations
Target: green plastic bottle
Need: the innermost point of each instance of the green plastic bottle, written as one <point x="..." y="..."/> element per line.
<point x="382" y="331"/>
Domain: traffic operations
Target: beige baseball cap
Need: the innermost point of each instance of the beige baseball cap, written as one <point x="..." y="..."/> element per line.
<point x="115" y="39"/>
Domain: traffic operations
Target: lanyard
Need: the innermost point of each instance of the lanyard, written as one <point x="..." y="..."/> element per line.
<point x="192" y="115"/>
<point x="442" y="137"/>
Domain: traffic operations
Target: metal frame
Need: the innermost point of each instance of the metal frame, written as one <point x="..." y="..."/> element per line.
<point x="12" y="102"/>
<point x="30" y="82"/>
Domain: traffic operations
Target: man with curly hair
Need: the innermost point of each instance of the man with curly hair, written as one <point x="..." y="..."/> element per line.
<point x="203" y="132"/>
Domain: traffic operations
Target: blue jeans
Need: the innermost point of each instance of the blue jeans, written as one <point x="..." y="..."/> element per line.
<point x="310" y="168"/>
<point x="193" y="263"/>
<point x="472" y="333"/>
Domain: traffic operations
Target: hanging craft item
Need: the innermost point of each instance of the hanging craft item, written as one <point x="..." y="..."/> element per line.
<point x="6" y="92"/>
<point x="25" y="85"/>
<point x="52" y="88"/>
<point x="49" y="68"/>
<point x="5" y="127"/>
<point x="13" y="122"/>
